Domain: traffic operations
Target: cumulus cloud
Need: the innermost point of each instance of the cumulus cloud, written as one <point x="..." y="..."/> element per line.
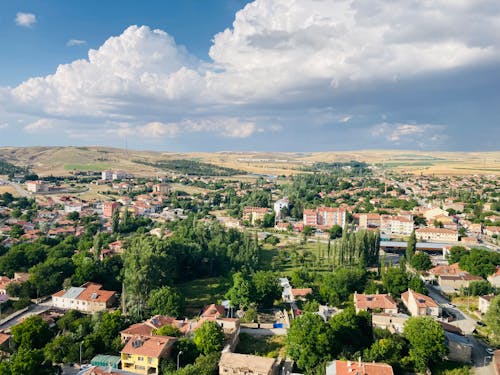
<point x="38" y="126"/>
<point x="25" y="19"/>
<point x="276" y="54"/>
<point x="75" y="42"/>
<point x="4" y="125"/>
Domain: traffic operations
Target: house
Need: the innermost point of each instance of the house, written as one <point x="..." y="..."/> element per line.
<point x="484" y="303"/>
<point x="491" y="231"/>
<point x="394" y="323"/>
<point x="161" y="189"/>
<point x="369" y="221"/>
<point x="361" y="368"/>
<point x="19" y="277"/>
<point x="494" y="278"/>
<point x="432" y="213"/>
<point x="325" y="217"/>
<point x="5" y="343"/>
<point x="452" y="283"/>
<point x="88" y="298"/>
<point x="108" y="208"/>
<point x="436" y="234"/>
<point x="300" y="294"/>
<point x="213" y="311"/>
<point x="148" y="327"/>
<point x="37" y="186"/>
<point x="375" y="302"/>
<point x="420" y="304"/>
<point x="279" y="206"/>
<point x="142" y="354"/>
<point x="245" y="364"/>
<point x="254" y="214"/>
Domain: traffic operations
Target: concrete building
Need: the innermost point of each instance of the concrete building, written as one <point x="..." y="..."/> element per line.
<point x="142" y="354"/>
<point x="436" y="235"/>
<point x="279" y="205"/>
<point x="244" y="364"/>
<point x="161" y="188"/>
<point x="37" y="186"/>
<point x="108" y="208"/>
<point x="484" y="303"/>
<point x="375" y="302"/>
<point x="254" y="214"/>
<point x="325" y="217"/>
<point x="88" y="298"/>
<point x="420" y="305"/>
<point x="494" y="278"/>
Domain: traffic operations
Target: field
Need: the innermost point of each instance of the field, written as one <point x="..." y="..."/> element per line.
<point x="202" y="292"/>
<point x="8" y="189"/>
<point x="63" y="160"/>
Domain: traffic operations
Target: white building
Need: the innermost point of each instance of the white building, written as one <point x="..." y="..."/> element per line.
<point x="279" y="205"/>
<point x="87" y="298"/>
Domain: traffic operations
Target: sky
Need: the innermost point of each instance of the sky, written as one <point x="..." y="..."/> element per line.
<point x="263" y="75"/>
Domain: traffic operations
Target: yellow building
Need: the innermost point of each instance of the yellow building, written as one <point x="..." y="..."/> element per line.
<point x="141" y="354"/>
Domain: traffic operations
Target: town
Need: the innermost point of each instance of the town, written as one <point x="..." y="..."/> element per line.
<point x="336" y="268"/>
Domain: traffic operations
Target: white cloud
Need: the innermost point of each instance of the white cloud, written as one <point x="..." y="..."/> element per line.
<point x="25" y="19"/>
<point x="75" y="42"/>
<point x="397" y="133"/>
<point x="4" y="125"/>
<point x="276" y="52"/>
<point x="38" y="126"/>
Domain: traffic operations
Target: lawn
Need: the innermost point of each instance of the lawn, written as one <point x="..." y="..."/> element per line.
<point x="201" y="292"/>
<point x="266" y="346"/>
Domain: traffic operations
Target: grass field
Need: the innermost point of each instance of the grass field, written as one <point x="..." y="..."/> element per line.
<point x="201" y="292"/>
<point x="8" y="189"/>
<point x="266" y="346"/>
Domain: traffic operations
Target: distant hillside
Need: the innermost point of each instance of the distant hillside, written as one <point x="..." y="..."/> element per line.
<point x="64" y="160"/>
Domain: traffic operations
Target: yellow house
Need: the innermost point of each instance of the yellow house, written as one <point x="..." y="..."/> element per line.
<point x="141" y="354"/>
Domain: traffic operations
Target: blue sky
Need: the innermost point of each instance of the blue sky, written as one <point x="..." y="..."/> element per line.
<point x="274" y="75"/>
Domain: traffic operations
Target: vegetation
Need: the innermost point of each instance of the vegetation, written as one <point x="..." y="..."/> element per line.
<point x="192" y="167"/>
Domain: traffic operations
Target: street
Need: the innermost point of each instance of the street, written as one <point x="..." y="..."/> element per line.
<point x="34" y="309"/>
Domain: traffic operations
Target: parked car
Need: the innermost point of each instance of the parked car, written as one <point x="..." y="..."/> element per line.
<point x="490" y="351"/>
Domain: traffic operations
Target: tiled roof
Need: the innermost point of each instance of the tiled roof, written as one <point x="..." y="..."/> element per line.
<point x="374" y="301"/>
<point x="351" y="368"/>
<point x="149" y="346"/>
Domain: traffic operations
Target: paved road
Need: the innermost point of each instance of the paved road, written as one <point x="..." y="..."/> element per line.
<point x="482" y="365"/>
<point x="264" y="331"/>
<point x="34" y="309"/>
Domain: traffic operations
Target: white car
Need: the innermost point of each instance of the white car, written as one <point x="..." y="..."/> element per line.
<point x="490" y="351"/>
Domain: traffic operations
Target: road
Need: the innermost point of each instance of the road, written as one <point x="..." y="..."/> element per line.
<point x="19" y="189"/>
<point x="34" y="309"/>
<point x="482" y="360"/>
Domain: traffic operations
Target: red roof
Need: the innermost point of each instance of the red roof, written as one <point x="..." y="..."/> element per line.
<point x="350" y="368"/>
<point x="149" y="346"/>
<point x="374" y="301"/>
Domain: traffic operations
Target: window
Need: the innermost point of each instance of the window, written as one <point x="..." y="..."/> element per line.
<point x="140" y="358"/>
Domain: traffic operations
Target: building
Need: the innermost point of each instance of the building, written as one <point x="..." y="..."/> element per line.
<point x="244" y="364"/>
<point x="494" y="278"/>
<point x="148" y="327"/>
<point x="325" y="217"/>
<point x="279" y="207"/>
<point x="420" y="305"/>
<point x="37" y="186"/>
<point x="436" y="235"/>
<point x="88" y="298"/>
<point x="142" y="354"/>
<point x="394" y="323"/>
<point x="360" y="368"/>
<point x="106" y="175"/>
<point x="452" y="283"/>
<point x="400" y="225"/>
<point x="484" y="303"/>
<point x="459" y="348"/>
<point x="254" y="214"/>
<point x="367" y="221"/>
<point x="108" y="208"/>
<point x="161" y="188"/>
<point x="375" y="302"/>
<point x="432" y="213"/>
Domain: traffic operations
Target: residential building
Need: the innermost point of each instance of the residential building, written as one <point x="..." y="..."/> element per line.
<point x="399" y="225"/>
<point x="254" y="214"/>
<point x="452" y="283"/>
<point x="279" y="205"/>
<point x="436" y="235"/>
<point x="325" y="217"/>
<point x="106" y="175"/>
<point x="88" y="298"/>
<point x="394" y="323"/>
<point x="432" y="213"/>
<point x="375" y="302"/>
<point x="148" y="327"/>
<point x="142" y="354"/>
<point x="37" y="186"/>
<point x="420" y="304"/>
<point x="300" y="294"/>
<point x="108" y="208"/>
<point x="369" y="221"/>
<point x="357" y="367"/>
<point x="484" y="303"/>
<point x="245" y="364"/>
<point x="494" y="278"/>
<point x="161" y="188"/>
<point x="491" y="231"/>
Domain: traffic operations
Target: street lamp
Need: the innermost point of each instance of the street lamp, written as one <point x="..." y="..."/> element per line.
<point x="178" y="355"/>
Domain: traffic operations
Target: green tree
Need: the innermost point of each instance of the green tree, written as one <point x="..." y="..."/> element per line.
<point x="421" y="262"/>
<point x="32" y="333"/>
<point x="240" y="293"/>
<point x="352" y="332"/>
<point x="492" y="319"/>
<point x="478" y="288"/>
<point x="27" y="361"/>
<point x="388" y="350"/>
<point x="16" y="231"/>
<point x="395" y="281"/>
<point x="266" y="288"/>
<point x="335" y="232"/>
<point x="63" y="349"/>
<point x="209" y="338"/>
<point x="168" y="330"/>
<point x="411" y="246"/>
<point x="456" y="254"/>
<point x="427" y="341"/>
<point x="309" y="341"/>
<point x="115" y="221"/>
<point x="73" y="216"/>
<point x="166" y="301"/>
